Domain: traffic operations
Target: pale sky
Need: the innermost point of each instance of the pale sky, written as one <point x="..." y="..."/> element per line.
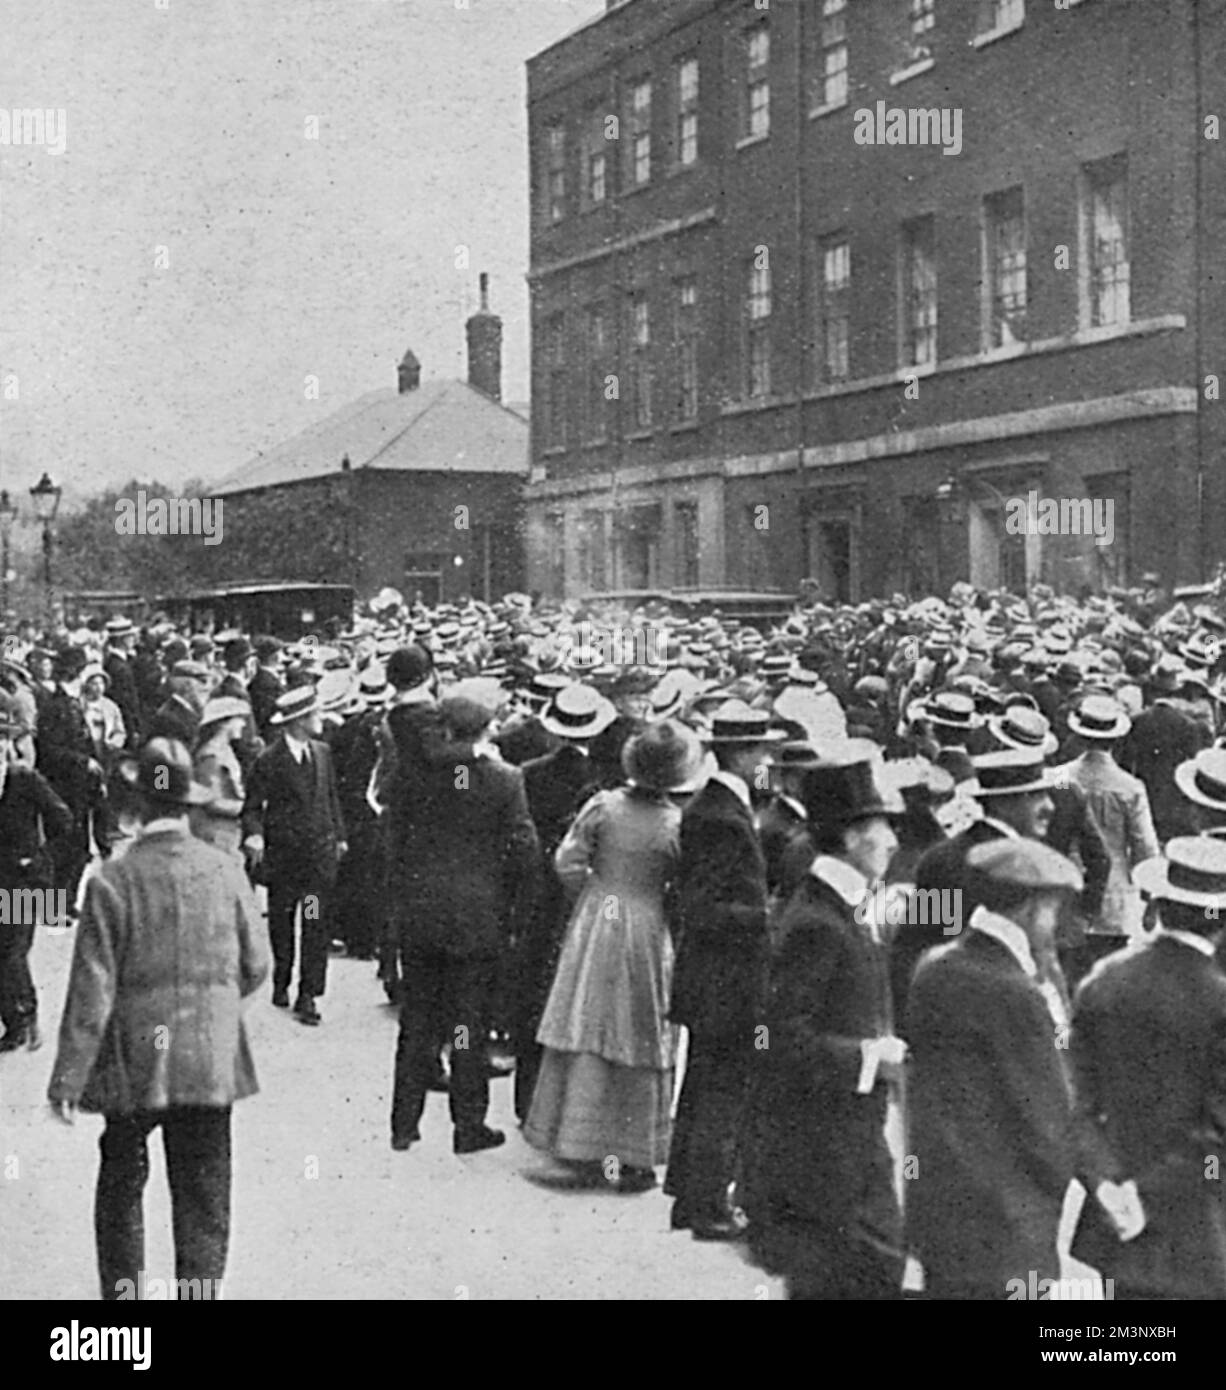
<point x="186" y="129"/>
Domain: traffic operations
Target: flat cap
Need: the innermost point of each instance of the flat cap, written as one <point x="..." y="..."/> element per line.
<point x="1025" y="864"/>
<point x="193" y="670"/>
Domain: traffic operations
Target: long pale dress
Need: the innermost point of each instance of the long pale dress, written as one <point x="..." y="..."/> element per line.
<point x="606" y="1077"/>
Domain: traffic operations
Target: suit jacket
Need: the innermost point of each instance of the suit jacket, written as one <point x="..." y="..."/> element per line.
<point x="297" y="811"/>
<point x="1120" y="807"/>
<point x="30" y="813"/>
<point x="1073" y="830"/>
<point x="1148" y="1049"/>
<point x="819" y="1159"/>
<point x="1160" y="739"/>
<point x="780" y="822"/>
<point x="991" y="1118"/>
<point x="124" y="693"/>
<point x="65" y="748"/>
<point x="168" y="944"/>
<point x="719" y="905"/>
<point x="265" y="690"/>
<point x="463" y="854"/>
<point x="175" y="718"/>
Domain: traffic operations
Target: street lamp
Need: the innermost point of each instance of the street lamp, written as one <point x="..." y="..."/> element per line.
<point x="8" y="515"/>
<point x="46" y="498"/>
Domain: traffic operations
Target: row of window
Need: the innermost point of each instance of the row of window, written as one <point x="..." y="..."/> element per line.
<point x="1104" y="300"/>
<point x="632" y="560"/>
<point x="827" y="65"/>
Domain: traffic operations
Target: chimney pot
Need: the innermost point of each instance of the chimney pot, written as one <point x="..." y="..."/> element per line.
<point x="484" y="331"/>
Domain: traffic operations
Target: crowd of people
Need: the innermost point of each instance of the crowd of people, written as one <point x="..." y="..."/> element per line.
<point x="874" y="930"/>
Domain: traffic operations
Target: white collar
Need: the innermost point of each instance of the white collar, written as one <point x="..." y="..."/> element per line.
<point x="297" y="746"/>
<point x="735" y="785"/>
<point x="418" y="695"/>
<point x="1188" y="938"/>
<point x="1003" y="826"/>
<point x="161" y="825"/>
<point x="1008" y="933"/>
<point x="796" y="806"/>
<point x="846" y="880"/>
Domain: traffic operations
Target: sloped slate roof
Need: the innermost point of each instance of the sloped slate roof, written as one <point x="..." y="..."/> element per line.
<point x="443" y="426"/>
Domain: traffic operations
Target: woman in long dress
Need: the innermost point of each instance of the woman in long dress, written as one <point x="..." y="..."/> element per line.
<point x="604" y="1091"/>
<point x="216" y="766"/>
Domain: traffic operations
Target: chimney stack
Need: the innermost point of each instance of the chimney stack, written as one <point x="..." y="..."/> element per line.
<point x="485" y="347"/>
<point x="408" y="374"/>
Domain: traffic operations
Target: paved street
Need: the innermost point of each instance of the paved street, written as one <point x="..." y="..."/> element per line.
<point x="322" y="1207"/>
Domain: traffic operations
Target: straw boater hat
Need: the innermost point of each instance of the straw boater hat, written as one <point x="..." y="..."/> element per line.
<point x="1099" y="717"/>
<point x="578" y="711"/>
<point x="163" y="773"/>
<point x="544" y="686"/>
<point x="736" y="722"/>
<point x="119" y="627"/>
<point x="298" y="703"/>
<point x="1020" y="726"/>
<point x="1202" y="779"/>
<point x="1009" y="773"/>
<point x="1191" y="870"/>
<point x="666" y="757"/>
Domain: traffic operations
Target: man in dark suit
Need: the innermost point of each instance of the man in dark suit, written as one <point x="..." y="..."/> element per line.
<point x="462" y="852"/>
<point x="990" y="1106"/>
<point x="66" y="759"/>
<point x="719" y="978"/>
<point x="28" y="808"/>
<point x="266" y="686"/>
<point x="178" y="717"/>
<point x="294" y="834"/>
<point x="819" y="1189"/>
<point x="1162" y="737"/>
<point x="1149" y="1068"/>
<point x="117" y="663"/>
<point x="557" y="785"/>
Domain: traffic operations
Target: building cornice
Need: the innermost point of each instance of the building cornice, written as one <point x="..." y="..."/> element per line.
<point x="673" y="227"/>
<point x="1067" y="415"/>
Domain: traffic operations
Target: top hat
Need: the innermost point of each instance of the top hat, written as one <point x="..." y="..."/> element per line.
<point x="1010" y="772"/>
<point x="1202" y="779"/>
<point x="163" y="772"/>
<point x="1191" y="870"/>
<point x="297" y="703"/>
<point x="1019" y="726"/>
<point x="1024" y="863"/>
<point x="736" y="722"/>
<point x="844" y="789"/>
<point x="1099" y="716"/>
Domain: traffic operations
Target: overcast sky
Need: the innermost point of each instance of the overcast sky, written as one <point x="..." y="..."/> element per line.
<point x="284" y="256"/>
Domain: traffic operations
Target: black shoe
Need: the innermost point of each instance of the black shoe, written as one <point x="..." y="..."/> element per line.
<point x="280" y="999"/>
<point x="400" y="1142"/>
<point x="478" y="1139"/>
<point x="722" y="1228"/>
<point x="306" y="1012"/>
<point x="15" y="1037"/>
<point x="636" y="1180"/>
<point x="679" y="1218"/>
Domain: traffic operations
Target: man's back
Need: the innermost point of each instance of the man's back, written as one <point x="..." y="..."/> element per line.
<point x="169" y="942"/>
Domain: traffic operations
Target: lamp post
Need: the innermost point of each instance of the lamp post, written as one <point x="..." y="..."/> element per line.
<point x="8" y="515"/>
<point x="46" y="498"/>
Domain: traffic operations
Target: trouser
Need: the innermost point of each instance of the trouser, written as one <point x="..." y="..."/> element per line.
<point x="528" y="1058"/>
<point x="707" y="1132"/>
<point x="283" y="902"/>
<point x="18" y="1002"/>
<point x="197" y="1144"/>
<point x="443" y="999"/>
<point x="70" y="853"/>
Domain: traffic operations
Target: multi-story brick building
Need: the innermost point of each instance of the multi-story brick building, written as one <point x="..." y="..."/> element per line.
<point x="764" y="350"/>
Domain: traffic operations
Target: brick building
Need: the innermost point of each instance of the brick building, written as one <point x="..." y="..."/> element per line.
<point x="764" y="350"/>
<point x="418" y="487"/>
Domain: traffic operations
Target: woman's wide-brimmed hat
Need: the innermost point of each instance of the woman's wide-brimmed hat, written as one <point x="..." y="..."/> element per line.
<point x="92" y="670"/>
<point x="296" y="703"/>
<point x="224" y="707"/>
<point x="1191" y="870"/>
<point x="578" y="711"/>
<point x="666" y="757"/>
<point x="845" y="789"/>
<point x="163" y="772"/>
<point x="1202" y="779"/>
<point x="1099" y="716"/>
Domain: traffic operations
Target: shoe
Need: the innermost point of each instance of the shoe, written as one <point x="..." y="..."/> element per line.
<point x="400" y="1142"/>
<point x="636" y="1180"/>
<point x="280" y="999"/>
<point x="722" y="1228"/>
<point x="14" y="1038"/>
<point x="679" y="1218"/>
<point x="483" y="1138"/>
<point x="306" y="1012"/>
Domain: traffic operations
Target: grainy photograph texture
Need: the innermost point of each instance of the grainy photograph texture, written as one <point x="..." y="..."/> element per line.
<point x="612" y="654"/>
